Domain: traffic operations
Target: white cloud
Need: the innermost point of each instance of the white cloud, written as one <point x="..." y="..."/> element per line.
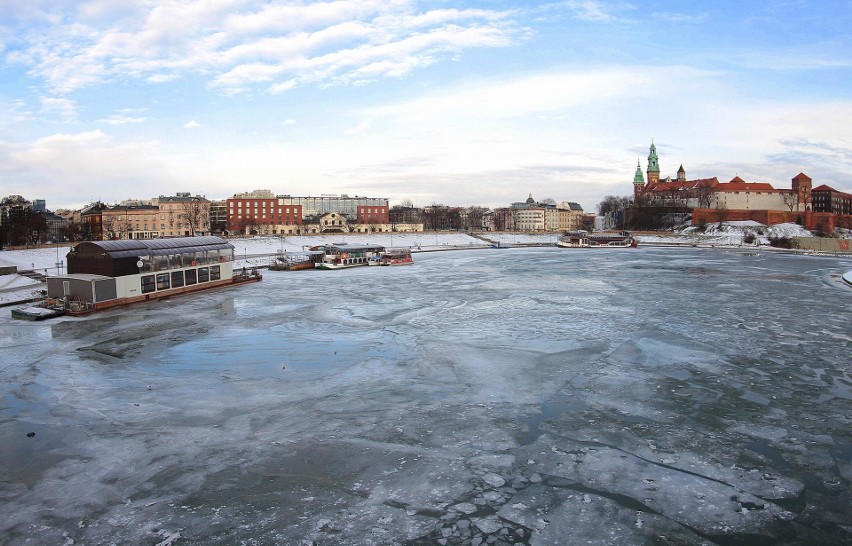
<point x="191" y="124"/>
<point x="121" y="119"/>
<point x="289" y="122"/>
<point x="161" y="78"/>
<point x="59" y="108"/>
<point x="682" y="18"/>
<point x="238" y="44"/>
<point x="539" y="93"/>
<point x="362" y="127"/>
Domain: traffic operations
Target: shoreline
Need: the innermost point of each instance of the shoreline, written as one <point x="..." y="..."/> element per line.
<point x="251" y="260"/>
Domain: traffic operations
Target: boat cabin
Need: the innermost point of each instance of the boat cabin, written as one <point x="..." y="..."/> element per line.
<point x="339" y="256"/>
<point x="107" y="273"/>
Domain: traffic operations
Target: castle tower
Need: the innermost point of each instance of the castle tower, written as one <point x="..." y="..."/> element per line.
<point x="681" y="174"/>
<point x="802" y="186"/>
<point x="638" y="181"/>
<point x="653" y="165"/>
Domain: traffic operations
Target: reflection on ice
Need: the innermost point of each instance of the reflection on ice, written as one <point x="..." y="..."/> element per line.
<point x="533" y="396"/>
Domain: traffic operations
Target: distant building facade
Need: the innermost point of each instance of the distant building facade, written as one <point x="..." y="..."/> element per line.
<point x="183" y="215"/>
<point x="263" y="213"/>
<point x="131" y="222"/>
<point x="533" y="216"/>
<point x="827" y="199"/>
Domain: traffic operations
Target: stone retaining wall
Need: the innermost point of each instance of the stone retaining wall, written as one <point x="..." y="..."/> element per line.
<point x="823" y="244"/>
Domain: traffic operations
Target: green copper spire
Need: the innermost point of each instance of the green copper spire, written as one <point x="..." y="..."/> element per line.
<point x="653" y="161"/>
<point x="638" y="178"/>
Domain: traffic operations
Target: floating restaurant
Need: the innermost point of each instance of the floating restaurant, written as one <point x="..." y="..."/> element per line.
<point x="104" y="274"/>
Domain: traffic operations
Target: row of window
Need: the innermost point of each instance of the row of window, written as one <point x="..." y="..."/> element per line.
<point x="178" y="279"/>
<point x="240" y="206"/>
<point x="186" y="259"/>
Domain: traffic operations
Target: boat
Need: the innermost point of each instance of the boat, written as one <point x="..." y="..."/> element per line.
<point x="293" y="261"/>
<point x="107" y="274"/>
<point x="584" y="239"/>
<point x="344" y="256"/>
<point x="396" y="256"/>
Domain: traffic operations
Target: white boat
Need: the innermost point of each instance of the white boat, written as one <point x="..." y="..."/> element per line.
<point x="343" y="256"/>
<point x="584" y="239"/>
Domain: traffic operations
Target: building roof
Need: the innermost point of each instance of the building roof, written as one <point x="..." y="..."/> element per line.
<point x="93" y="208"/>
<point x="824" y="187"/>
<point x="152" y="247"/>
<point x="738" y="184"/>
<point x="180" y="198"/>
<point x="118" y="208"/>
<point x="683" y="186"/>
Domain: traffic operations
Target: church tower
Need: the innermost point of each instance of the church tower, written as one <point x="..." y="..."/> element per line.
<point x="681" y="174"/>
<point x="638" y="181"/>
<point x="653" y="165"/>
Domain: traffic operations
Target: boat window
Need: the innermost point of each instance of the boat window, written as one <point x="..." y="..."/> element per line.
<point x="203" y="274"/>
<point x="161" y="263"/>
<point x="215" y="275"/>
<point x="148" y="284"/>
<point x="190" y="276"/>
<point x="177" y="279"/>
<point x="163" y="281"/>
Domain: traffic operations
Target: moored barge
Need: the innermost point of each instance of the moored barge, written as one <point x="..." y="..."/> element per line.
<point x="104" y="274"/>
<point x="344" y="256"/>
<point x="584" y="239"/>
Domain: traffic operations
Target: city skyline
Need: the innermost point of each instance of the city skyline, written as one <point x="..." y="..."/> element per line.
<point x="441" y="102"/>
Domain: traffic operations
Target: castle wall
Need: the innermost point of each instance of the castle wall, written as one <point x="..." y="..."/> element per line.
<point x="814" y="221"/>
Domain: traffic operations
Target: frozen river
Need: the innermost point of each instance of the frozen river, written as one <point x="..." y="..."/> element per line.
<point x="535" y="396"/>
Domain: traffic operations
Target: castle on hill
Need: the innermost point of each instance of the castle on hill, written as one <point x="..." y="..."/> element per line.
<point x="708" y="199"/>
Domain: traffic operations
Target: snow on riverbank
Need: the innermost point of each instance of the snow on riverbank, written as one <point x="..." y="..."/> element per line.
<point x="728" y="234"/>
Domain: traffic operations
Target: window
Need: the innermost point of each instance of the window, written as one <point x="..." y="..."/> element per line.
<point x="215" y="273"/>
<point x="190" y="277"/>
<point x="163" y="281"/>
<point x="148" y="285"/>
<point x="203" y="274"/>
<point x="177" y="279"/>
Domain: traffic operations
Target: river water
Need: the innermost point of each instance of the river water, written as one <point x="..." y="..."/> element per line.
<point x="524" y="395"/>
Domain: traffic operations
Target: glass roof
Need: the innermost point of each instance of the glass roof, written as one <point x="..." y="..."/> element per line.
<point x="152" y="247"/>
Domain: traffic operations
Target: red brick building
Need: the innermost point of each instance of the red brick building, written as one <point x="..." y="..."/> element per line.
<point x="373" y="214"/>
<point x="260" y="212"/>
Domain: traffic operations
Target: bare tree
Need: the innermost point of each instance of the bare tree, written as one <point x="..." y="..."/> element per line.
<point x="474" y="218"/>
<point x="704" y="195"/>
<point x="195" y="212"/>
<point x="721" y="211"/>
<point x="791" y="200"/>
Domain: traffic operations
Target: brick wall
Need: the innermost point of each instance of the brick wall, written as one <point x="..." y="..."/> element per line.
<point x="814" y="221"/>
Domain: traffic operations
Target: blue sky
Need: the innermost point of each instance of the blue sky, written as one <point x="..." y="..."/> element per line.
<point x="460" y="103"/>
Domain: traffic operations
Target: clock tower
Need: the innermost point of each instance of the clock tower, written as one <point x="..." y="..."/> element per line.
<point x="638" y="181"/>
<point x="653" y="165"/>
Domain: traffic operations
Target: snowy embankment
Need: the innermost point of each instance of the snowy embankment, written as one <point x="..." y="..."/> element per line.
<point x="728" y="234"/>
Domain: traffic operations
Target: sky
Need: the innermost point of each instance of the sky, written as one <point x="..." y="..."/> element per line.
<point x="457" y="103"/>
